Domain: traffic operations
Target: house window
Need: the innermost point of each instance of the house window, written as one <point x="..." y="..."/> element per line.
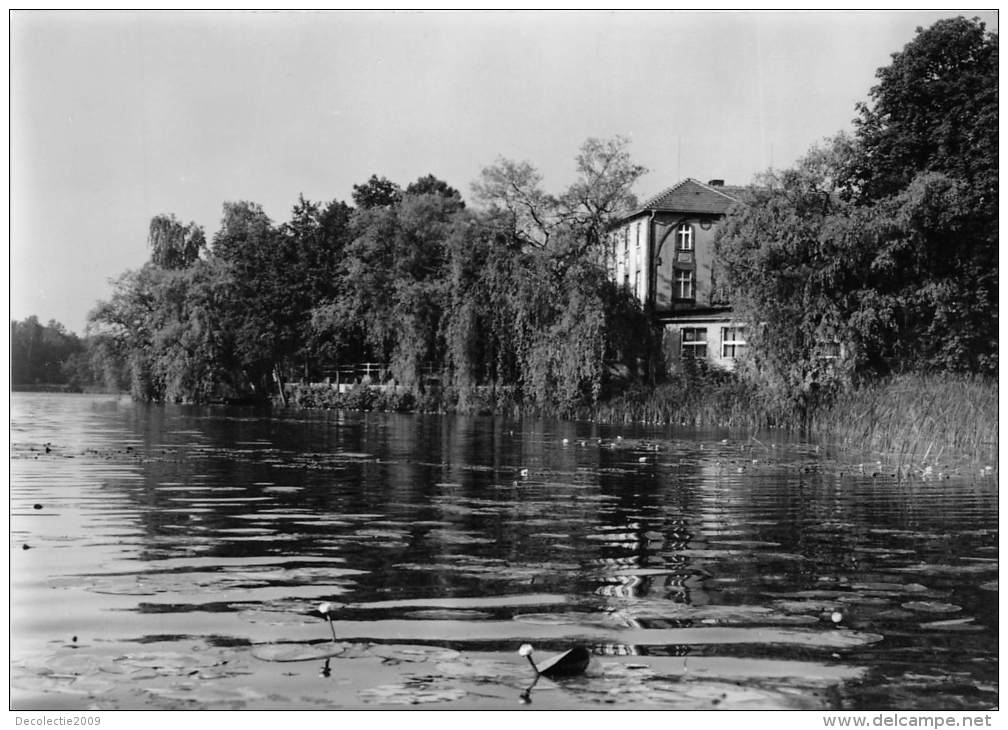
<point x="638" y="235"/>
<point x="683" y="284"/>
<point x="829" y="350"/>
<point x="636" y="284"/>
<point x="694" y="342"/>
<point x="733" y="342"/>
<point x="684" y="237"/>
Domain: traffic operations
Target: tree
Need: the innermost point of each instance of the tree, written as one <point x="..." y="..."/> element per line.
<point x="512" y="195"/>
<point x="926" y="158"/>
<point x="41" y="353"/>
<point x="391" y="295"/>
<point x="935" y="109"/>
<point x="573" y="225"/>
<point x="377" y="192"/>
<point x="606" y="176"/>
<point x="886" y="241"/>
<point x="791" y="254"/>
<point x="167" y="325"/>
<point x="430" y="185"/>
<point x="174" y="246"/>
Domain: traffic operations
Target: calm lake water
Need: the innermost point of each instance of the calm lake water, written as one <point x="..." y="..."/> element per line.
<point x="163" y="558"/>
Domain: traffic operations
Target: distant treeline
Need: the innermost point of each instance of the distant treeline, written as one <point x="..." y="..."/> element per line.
<point x="49" y="357"/>
<point x="883" y="242"/>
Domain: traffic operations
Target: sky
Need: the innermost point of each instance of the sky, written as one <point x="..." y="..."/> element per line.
<point x="120" y="116"/>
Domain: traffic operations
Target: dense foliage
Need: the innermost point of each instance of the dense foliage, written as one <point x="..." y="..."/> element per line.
<point x="43" y="354"/>
<point x="884" y="241"/>
<point x="409" y="277"/>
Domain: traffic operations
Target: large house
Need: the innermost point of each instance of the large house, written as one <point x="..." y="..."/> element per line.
<point x="663" y="252"/>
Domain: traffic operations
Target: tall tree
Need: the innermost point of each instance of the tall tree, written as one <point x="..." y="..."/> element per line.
<point x="606" y="176"/>
<point x="431" y="185"/>
<point x="173" y="245"/>
<point x="377" y="192"/>
<point x="926" y="158"/>
<point x="934" y="109"/>
<point x="512" y="194"/>
<point x="167" y="323"/>
<point x="886" y="241"/>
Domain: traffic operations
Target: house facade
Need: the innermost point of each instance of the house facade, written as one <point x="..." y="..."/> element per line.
<point x="663" y="252"/>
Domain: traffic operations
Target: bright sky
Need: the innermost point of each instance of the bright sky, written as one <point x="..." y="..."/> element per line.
<point x="116" y="117"/>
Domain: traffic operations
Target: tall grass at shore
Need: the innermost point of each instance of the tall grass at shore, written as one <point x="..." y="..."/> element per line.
<point x="726" y="403"/>
<point x="905" y="420"/>
<point x="915" y="420"/>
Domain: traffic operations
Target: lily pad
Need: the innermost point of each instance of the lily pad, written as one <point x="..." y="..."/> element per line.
<point x="448" y="614"/>
<point x="413" y="653"/>
<point x="410" y="693"/>
<point x="565" y="619"/>
<point x="931" y="607"/>
<point x="301" y="653"/>
<point x="955" y="624"/>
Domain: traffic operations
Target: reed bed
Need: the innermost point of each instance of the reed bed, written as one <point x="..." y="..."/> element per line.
<point x="916" y="420"/>
<point x="909" y="420"/>
<point x="728" y="404"/>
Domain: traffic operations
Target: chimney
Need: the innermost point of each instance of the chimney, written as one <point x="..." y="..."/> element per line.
<point x="716" y="183"/>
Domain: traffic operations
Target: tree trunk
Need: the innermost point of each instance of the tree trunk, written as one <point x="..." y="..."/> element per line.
<point x="280" y="385"/>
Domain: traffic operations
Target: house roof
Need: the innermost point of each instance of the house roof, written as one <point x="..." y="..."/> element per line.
<point x="689" y="196"/>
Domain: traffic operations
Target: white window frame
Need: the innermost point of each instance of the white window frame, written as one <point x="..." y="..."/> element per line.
<point x="691" y="346"/>
<point x="684" y="237"/>
<point x="834" y="345"/>
<point x="684" y="282"/>
<point x="734" y="338"/>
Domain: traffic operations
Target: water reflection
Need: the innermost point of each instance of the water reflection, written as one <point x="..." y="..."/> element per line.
<point x="223" y="527"/>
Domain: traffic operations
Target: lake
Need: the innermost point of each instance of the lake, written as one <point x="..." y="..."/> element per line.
<point x="166" y="558"/>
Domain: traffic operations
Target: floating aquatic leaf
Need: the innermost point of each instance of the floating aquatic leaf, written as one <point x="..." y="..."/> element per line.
<point x="957" y="624"/>
<point x="889" y="587"/>
<point x="166" y="663"/>
<point x="303" y="653"/>
<point x="206" y="694"/>
<point x="64" y="684"/>
<point x="863" y="600"/>
<point x="410" y="694"/>
<point x="457" y="537"/>
<point x="461" y="602"/>
<point x="943" y="569"/>
<point x="569" y="618"/>
<point x="931" y="607"/>
<point x="448" y="613"/>
<point x="412" y="653"/>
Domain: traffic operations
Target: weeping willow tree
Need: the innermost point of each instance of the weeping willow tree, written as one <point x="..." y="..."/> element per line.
<point x="173" y="245"/>
<point x="532" y="305"/>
